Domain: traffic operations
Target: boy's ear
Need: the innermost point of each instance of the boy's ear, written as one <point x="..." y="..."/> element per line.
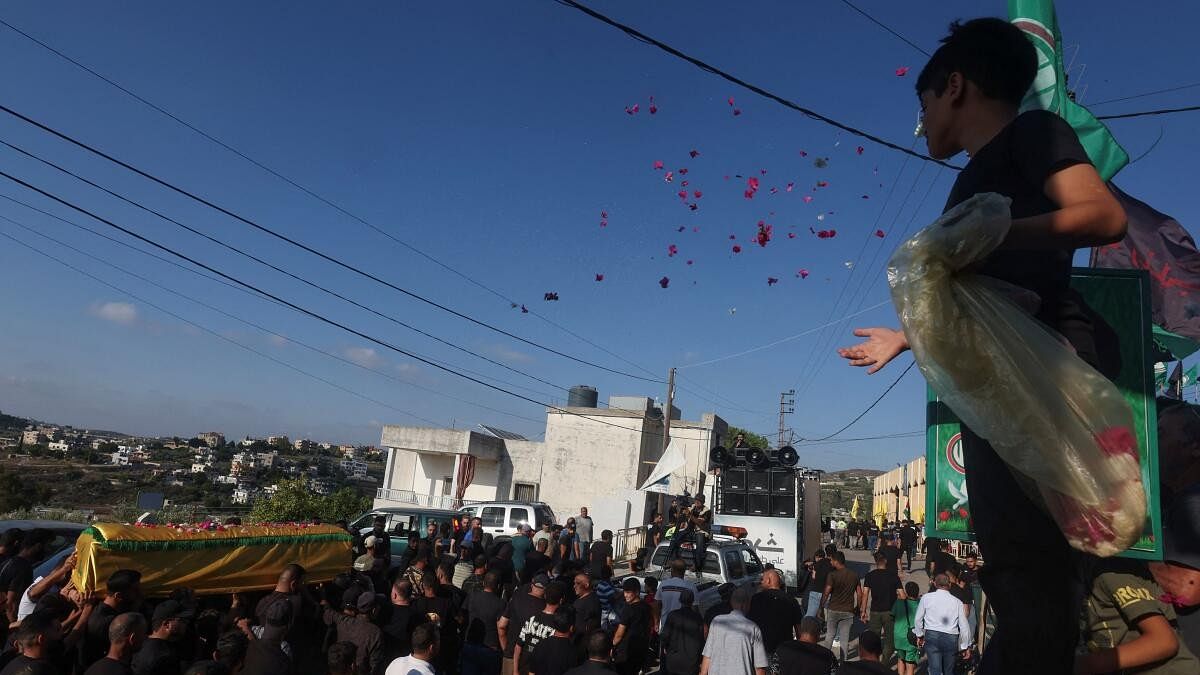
<point x="956" y="88"/>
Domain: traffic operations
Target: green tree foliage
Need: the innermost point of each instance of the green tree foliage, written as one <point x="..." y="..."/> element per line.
<point x="196" y="443"/>
<point x="295" y="501"/>
<point x="752" y="438"/>
<point x="17" y="494"/>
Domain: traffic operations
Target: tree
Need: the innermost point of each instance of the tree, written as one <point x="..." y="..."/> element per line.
<point x="17" y="494"/>
<point x="293" y="501"/>
<point x="196" y="443"/>
<point x="752" y="438"/>
<point x="345" y="504"/>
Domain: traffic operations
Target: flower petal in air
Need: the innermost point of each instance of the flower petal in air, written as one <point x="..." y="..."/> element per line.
<point x="664" y="282"/>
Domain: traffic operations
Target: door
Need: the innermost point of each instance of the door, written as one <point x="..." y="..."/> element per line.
<point x="517" y="516"/>
<point x="493" y="519"/>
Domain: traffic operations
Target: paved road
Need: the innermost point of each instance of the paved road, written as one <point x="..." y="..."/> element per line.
<point x="862" y="562"/>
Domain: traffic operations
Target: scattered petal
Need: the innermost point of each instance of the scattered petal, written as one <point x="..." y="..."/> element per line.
<point x="672" y="250"/>
<point x="763" y="171"/>
<point x="826" y="234"/>
<point x="732" y="238"/>
<point x="901" y="71"/>
<point x="860" y="149"/>
<point x="764" y="233"/>
<point x="803" y="153"/>
<point x="682" y="194"/>
<point x="731" y="101"/>
<point x="880" y="234"/>
<point x="631" y="110"/>
<point x="658" y="164"/>
<point x="681" y="228"/>
<point x="694" y="207"/>
<point x="694" y="154"/>
<point x="524" y="310"/>
<point x="684" y="184"/>
<point x="603" y="223"/>
<point x="737" y="249"/>
<point x="599" y="277"/>
<point x="821" y="162"/>
<point x="697" y="194"/>
<point x="820" y="216"/>
<point x="736" y="112"/>
<point x="664" y="282"/>
<point x="807" y="199"/>
<point x="690" y="262"/>
<point x="774" y="190"/>
<point x="653" y="108"/>
<point x="822" y="183"/>
<point x="670" y="177"/>
<point x="789" y="187"/>
<point x="550" y="297"/>
<point x="732" y="311"/>
<point x="849" y="265"/>
<point x="791" y="235"/>
<point x="696" y="228"/>
<point x="803" y="274"/>
<point x="683" y="171"/>
<point x="866" y="196"/>
<point x="771" y="281"/>
<point x="604" y="214"/>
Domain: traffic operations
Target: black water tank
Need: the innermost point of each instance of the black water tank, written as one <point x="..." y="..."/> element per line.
<point x="582" y="396"/>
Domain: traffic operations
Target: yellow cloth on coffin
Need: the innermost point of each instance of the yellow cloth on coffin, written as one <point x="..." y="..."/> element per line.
<point x="239" y="558"/>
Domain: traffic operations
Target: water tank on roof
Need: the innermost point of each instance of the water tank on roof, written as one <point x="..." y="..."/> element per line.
<point x="582" y="396"/>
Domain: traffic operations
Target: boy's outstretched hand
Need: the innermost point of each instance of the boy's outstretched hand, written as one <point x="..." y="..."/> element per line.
<point x="881" y="346"/>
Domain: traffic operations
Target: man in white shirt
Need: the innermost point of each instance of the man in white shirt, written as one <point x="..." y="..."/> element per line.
<point x="941" y="627"/>
<point x="668" y="591"/>
<point x="424" y="650"/>
<point x="735" y="643"/>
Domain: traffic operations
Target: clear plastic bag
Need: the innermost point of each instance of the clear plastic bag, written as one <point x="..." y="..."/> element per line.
<point x="1049" y="415"/>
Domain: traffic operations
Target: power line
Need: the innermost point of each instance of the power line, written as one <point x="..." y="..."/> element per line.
<point x="879" y="23"/>
<point x="1147" y="113"/>
<point x="308" y="312"/>
<point x="313" y="193"/>
<point x="869" y="408"/>
<point x="203" y="275"/>
<point x="303" y="280"/>
<point x="642" y="37"/>
<point x="313" y="251"/>
<point x="215" y="333"/>
<point x="1145" y="94"/>
<point x="253" y="324"/>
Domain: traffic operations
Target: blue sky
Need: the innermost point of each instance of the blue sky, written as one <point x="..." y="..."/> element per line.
<point x="492" y="136"/>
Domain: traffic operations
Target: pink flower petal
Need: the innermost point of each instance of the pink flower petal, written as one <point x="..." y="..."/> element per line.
<point x="682" y="194"/>
<point x="803" y="274"/>
<point x="822" y="183"/>
<point x="599" y="277"/>
<point x="653" y="108"/>
<point x="860" y="150"/>
<point x="771" y="281"/>
<point x="683" y="171"/>
<point x="670" y="177"/>
<point x="694" y="154"/>
<point x="790" y="186"/>
<point x="736" y="112"/>
<point x="696" y="228"/>
<point x="658" y="164"/>
<point x="737" y="249"/>
<point x="684" y="184"/>
<point x="901" y="71"/>
<point x="803" y="153"/>
<point x="880" y="234"/>
<point x="697" y="194"/>
<point x="603" y="223"/>
<point x="604" y="214"/>
<point x="690" y="262"/>
<point x="731" y="101"/>
<point x="807" y="199"/>
<point x="791" y="235"/>
<point x="672" y="250"/>
<point x="664" y="282"/>
<point x="774" y="190"/>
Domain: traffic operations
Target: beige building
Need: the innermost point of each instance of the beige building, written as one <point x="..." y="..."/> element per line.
<point x="591" y="456"/>
<point x="902" y="486"/>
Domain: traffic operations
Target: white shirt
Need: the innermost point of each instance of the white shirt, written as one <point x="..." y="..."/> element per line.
<point x="408" y="665"/>
<point x="668" y="595"/>
<point x="734" y="646"/>
<point x="943" y="613"/>
<point x="27" y="605"/>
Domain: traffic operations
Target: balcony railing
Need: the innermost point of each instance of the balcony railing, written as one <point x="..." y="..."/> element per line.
<point x="421" y="500"/>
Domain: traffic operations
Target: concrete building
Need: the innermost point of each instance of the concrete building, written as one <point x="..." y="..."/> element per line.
<point x="354" y="468"/>
<point x="594" y="457"/>
<point x="242" y="495"/>
<point x="900" y="487"/>
<point x="60" y="446"/>
<point x="278" y="441"/>
<point x="212" y="439"/>
<point x="32" y="437"/>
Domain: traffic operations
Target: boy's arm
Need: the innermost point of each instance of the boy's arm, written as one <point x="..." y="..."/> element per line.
<point x="1088" y="214"/>
<point x="1157" y="642"/>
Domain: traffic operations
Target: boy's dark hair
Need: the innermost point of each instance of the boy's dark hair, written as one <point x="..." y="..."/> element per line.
<point x="912" y="590"/>
<point x="829" y="549"/>
<point x="32" y="627"/>
<point x="598" y="645"/>
<point x="424" y="637"/>
<point x="869" y="641"/>
<point x="561" y="622"/>
<point x="554" y="593"/>
<point x="992" y="53"/>
<point x="840" y="557"/>
<point x="820" y="553"/>
<point x="651" y="584"/>
<point x="341" y="657"/>
<point x="491" y="580"/>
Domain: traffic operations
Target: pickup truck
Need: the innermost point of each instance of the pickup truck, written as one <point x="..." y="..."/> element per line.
<point x="726" y="560"/>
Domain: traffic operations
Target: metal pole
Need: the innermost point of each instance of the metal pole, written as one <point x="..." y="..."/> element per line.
<point x="666" y="434"/>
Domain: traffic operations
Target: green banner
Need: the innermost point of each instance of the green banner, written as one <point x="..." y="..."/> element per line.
<point x="1122" y="299"/>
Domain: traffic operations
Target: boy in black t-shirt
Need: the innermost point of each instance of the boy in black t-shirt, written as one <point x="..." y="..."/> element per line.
<point x="970" y="93"/>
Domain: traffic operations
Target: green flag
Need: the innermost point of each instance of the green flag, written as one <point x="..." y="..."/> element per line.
<point x="1049" y="91"/>
<point x="1189" y="375"/>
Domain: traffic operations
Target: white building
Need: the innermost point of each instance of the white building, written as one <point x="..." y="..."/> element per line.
<point x="354" y="468"/>
<point x="594" y="457"/>
<point x="212" y="438"/>
<point x="60" y="446"/>
<point x="226" y="480"/>
<point x="242" y="495"/>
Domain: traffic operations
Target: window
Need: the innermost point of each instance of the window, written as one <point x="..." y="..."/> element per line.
<point x="525" y="492"/>
<point x="401" y="525"/>
<point x="733" y="564"/>
<point x="517" y="517"/>
<point x="751" y="562"/>
<point x="447" y="483"/>
<point x="544" y="516"/>
<point x="711" y="564"/>
<point x="493" y="516"/>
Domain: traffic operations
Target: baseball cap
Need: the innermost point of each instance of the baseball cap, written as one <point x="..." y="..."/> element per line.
<point x="350" y="597"/>
<point x="366" y="602"/>
<point x="171" y="609"/>
<point x="541" y="580"/>
<point x="631" y="585"/>
<point x="370" y="541"/>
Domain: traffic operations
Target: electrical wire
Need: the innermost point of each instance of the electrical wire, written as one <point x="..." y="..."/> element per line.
<point x="642" y="37"/>
<point x="863" y="413"/>
<point x="310" y="313"/>
<point x="313" y="251"/>
<point x="884" y="26"/>
<point x="1147" y="113"/>
<point x="1145" y="94"/>
<point x="313" y="193"/>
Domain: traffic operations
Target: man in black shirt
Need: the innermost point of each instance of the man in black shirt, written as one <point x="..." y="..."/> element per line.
<point x="587" y="607"/>
<point x="891" y="554"/>
<point x="682" y="637"/>
<point x="599" y="647"/>
<point x="126" y="633"/>
<point x="869" y="658"/>
<point x="821" y="569"/>
<point x="481" y="651"/>
<point x="536" y="561"/>
<point x="539" y="627"/>
<point x="971" y="92"/>
<point x="776" y="613"/>
<point x="806" y="656"/>
<point x="398" y="622"/>
<point x="383" y="541"/>
<point x="38" y="638"/>
<point x="601" y="554"/>
<point x="940" y="561"/>
<point x="123" y="594"/>
<point x="519" y="610"/>
<point x="16" y="573"/>
<point x="555" y="655"/>
<point x="654" y="534"/>
<point x="879" y="594"/>
<point x="631" y="643"/>
<point x="908" y="542"/>
<point x="159" y="654"/>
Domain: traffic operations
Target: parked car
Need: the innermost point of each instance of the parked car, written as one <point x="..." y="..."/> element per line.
<point x="501" y="519"/>
<point x="65" y="533"/>
<point x="400" y="522"/>
<point x="726" y="560"/>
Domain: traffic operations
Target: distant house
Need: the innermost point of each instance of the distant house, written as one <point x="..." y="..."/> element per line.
<point x="354" y="468"/>
<point x="32" y="437"/>
<point x="212" y="439"/>
<point x="60" y="446"/>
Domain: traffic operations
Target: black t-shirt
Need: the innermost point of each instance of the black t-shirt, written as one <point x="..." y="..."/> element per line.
<point x="804" y="658"/>
<point x="537" y="629"/>
<point x="864" y="668"/>
<point x="942" y="561"/>
<point x="95" y="637"/>
<point x="883" y="584"/>
<point x="23" y="665"/>
<point x="683" y="641"/>
<point x="599" y="552"/>
<point x="720" y="609"/>
<point x="636" y="642"/>
<point x="553" y="656"/>
<point x="822" y="568"/>
<point x="107" y="666"/>
<point x="535" y="563"/>
<point x="16" y="575"/>
<point x="776" y="614"/>
<point x="963" y="594"/>
<point x="484" y="609"/>
<point x="893" y="557"/>
<point x="520" y="608"/>
<point x="872" y="530"/>
<point x="397" y="626"/>
<point x="908" y="536"/>
<point x="1016" y="164"/>
<point x="587" y="614"/>
<point x="156" y="657"/>
<point x="264" y="657"/>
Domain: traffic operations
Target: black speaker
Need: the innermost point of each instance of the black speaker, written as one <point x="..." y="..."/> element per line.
<point x="783" y="506"/>
<point x="787" y="456"/>
<point x="719" y="456"/>
<point x="757" y="458"/>
<point x="783" y="483"/>
<point x="733" y="480"/>
<point x="733" y="502"/>
<point x="758" y="482"/>
<point x="758" y="505"/>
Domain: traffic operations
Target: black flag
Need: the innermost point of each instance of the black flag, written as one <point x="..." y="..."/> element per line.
<point x="1157" y="243"/>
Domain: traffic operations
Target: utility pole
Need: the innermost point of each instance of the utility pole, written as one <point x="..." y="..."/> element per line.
<point x="666" y="433"/>
<point x="787" y="406"/>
